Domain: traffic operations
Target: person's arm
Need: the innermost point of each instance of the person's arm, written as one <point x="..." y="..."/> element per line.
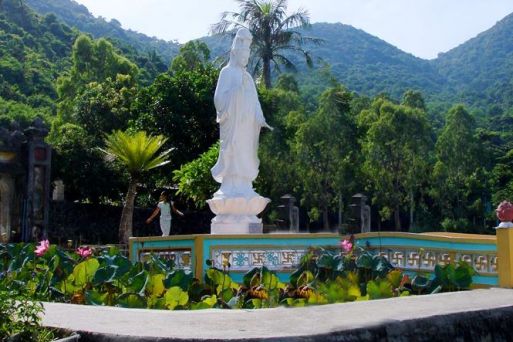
<point x="153" y="214"/>
<point x="176" y="210"/>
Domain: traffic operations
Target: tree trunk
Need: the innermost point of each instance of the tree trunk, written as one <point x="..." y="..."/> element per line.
<point x="340" y="204"/>
<point x="412" y="208"/>
<point x="397" y="218"/>
<point x="267" y="72"/>
<point x="125" y="226"/>
<point x="325" y="219"/>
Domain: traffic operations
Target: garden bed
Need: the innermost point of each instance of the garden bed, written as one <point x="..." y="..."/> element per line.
<point x="48" y="273"/>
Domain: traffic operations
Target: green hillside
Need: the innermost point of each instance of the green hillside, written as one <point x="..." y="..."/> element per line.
<point x="476" y="73"/>
<point x="34" y="51"/>
<point x="76" y="15"/>
<point x="370" y="65"/>
<point x="480" y="71"/>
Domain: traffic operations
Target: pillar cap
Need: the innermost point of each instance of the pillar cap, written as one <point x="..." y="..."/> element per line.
<point x="504" y="225"/>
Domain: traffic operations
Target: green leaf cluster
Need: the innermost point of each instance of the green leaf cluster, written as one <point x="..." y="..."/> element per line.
<point x="109" y="278"/>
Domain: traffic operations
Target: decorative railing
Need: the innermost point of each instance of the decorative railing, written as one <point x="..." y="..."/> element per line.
<point x="282" y="253"/>
<point x="181" y="258"/>
<point x="422" y="252"/>
<point x="243" y="260"/>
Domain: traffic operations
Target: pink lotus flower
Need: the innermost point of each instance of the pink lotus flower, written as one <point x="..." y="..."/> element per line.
<point x="41" y="249"/>
<point x="347" y="246"/>
<point x="84" y="251"/>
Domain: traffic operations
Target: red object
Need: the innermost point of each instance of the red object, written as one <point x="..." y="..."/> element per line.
<point x="505" y="211"/>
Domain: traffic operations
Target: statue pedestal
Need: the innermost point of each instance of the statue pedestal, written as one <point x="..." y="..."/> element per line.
<point x="236" y="228"/>
<point x="237" y="215"/>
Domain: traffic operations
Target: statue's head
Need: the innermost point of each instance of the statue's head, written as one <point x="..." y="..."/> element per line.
<point x="241" y="47"/>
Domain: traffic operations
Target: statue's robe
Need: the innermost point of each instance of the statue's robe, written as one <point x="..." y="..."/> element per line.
<point x="240" y="118"/>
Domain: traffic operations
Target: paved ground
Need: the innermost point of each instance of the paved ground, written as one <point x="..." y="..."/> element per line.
<point x="278" y="323"/>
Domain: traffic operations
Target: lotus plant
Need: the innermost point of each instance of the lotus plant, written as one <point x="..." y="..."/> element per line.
<point x="42" y="248"/>
<point x="347" y="246"/>
<point x="84" y="252"/>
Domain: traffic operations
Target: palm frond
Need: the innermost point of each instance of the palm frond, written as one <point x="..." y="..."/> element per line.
<point x="287" y="63"/>
<point x="138" y="152"/>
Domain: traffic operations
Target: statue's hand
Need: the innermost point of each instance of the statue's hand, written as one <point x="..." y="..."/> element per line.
<point x="267" y="126"/>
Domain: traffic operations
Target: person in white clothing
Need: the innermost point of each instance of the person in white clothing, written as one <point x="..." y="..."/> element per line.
<point x="164" y="207"/>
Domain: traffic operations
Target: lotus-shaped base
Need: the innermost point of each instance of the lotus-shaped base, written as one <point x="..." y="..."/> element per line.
<point x="237" y="215"/>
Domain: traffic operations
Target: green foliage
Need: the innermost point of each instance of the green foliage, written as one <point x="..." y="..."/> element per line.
<point x="77" y="15"/>
<point x="193" y="55"/>
<point x="396" y="146"/>
<point x="450" y="277"/>
<point x="315" y="152"/>
<point x="20" y="319"/>
<point x="459" y="181"/>
<point x="136" y="151"/>
<point x="274" y="33"/>
<point x="105" y="107"/>
<point x="108" y="278"/>
<point x="194" y="179"/>
<point x="78" y="163"/>
<point x="180" y="106"/>
<point x="326" y="151"/>
<point x="33" y="50"/>
<point x="277" y="175"/>
<point x="92" y="61"/>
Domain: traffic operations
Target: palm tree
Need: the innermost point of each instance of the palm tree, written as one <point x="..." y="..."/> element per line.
<point x="138" y="153"/>
<point x="273" y="33"/>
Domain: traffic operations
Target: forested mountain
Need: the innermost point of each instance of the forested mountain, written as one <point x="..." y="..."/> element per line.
<point x="74" y="14"/>
<point x="480" y="71"/>
<point x="476" y="73"/>
<point x="34" y="51"/>
<point x="369" y="65"/>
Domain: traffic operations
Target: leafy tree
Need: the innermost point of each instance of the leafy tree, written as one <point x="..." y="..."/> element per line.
<point x="193" y="55"/>
<point x="277" y="174"/>
<point x="414" y="99"/>
<point x="194" y="179"/>
<point x="180" y="105"/>
<point x="79" y="164"/>
<point x="287" y="82"/>
<point x="105" y="107"/>
<point x="326" y="152"/>
<point x="137" y="152"/>
<point x="396" y="149"/>
<point x="274" y="32"/>
<point x="92" y="61"/>
<point x="458" y="159"/>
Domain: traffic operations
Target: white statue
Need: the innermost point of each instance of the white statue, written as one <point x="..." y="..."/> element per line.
<point x="240" y="118"/>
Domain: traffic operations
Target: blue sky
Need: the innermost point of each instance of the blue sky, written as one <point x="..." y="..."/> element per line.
<point x="421" y="27"/>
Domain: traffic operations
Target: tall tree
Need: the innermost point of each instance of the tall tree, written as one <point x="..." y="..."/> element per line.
<point x="137" y="152"/>
<point x="92" y="61"/>
<point x="105" y="107"/>
<point x="457" y="163"/>
<point x="326" y="149"/>
<point x="274" y="33"/>
<point x="180" y="105"/>
<point x="396" y="149"/>
<point x="77" y="162"/>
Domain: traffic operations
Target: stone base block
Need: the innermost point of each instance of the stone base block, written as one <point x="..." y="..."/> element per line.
<point x="236" y="228"/>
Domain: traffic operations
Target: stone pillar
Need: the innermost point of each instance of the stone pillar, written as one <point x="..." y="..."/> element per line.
<point x="6" y="192"/>
<point x="505" y="244"/>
